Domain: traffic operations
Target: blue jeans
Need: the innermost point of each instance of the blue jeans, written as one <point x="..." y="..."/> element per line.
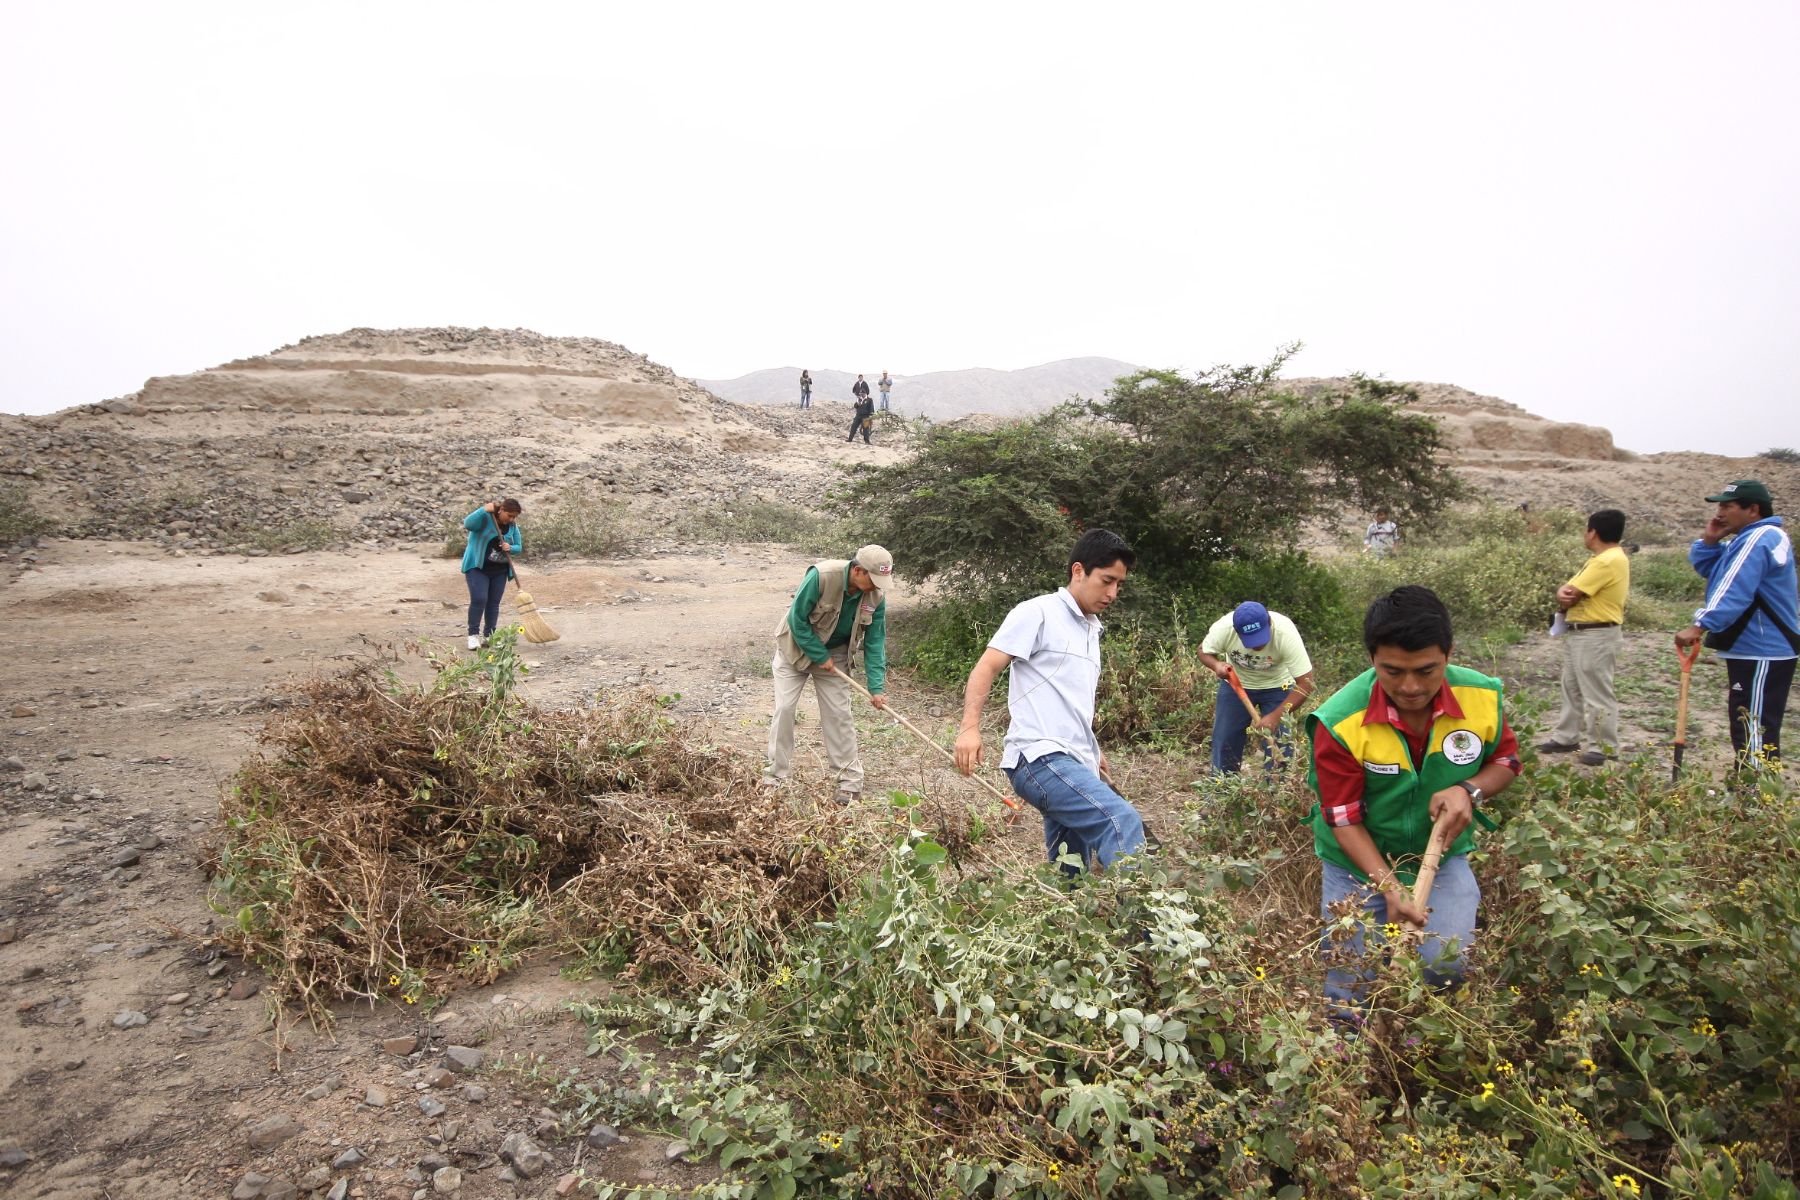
<point x="1449" y="927"/>
<point x="485" y="591"/>
<point x="884" y="402"/>
<point x="1231" y="727"/>
<point x="805" y="397"/>
<point x="1080" y="811"/>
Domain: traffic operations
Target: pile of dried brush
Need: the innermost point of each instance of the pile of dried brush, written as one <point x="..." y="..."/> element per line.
<point x="389" y="836"/>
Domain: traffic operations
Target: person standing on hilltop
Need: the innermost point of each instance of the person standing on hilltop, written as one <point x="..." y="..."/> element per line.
<point x="860" y="389"/>
<point x="1266" y="651"/>
<point x="1593" y="605"/>
<point x="838" y="616"/>
<point x="862" y="418"/>
<point x="805" y="388"/>
<point x="1051" y="754"/>
<point x="487" y="563"/>
<point x="1383" y="535"/>
<point x="886" y="385"/>
<point x="1751" y="616"/>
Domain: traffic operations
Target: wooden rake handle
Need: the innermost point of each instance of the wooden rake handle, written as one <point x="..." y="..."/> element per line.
<point x="1687" y="658"/>
<point x="1237" y="685"/>
<point x="999" y="795"/>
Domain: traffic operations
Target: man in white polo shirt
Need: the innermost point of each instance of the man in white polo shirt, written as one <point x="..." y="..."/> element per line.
<point x="1051" y="756"/>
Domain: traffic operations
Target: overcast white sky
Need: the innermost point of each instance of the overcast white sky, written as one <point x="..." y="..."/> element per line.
<point x="1592" y="210"/>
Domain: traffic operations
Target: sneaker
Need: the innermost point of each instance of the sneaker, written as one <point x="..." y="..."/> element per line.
<point x="474" y="642"/>
<point x="1590" y="758"/>
<point x="1555" y="748"/>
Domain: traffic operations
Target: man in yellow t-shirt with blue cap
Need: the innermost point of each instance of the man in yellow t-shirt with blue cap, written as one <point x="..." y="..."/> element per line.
<point x="1270" y="659"/>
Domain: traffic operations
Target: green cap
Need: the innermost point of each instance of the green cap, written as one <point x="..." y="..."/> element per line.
<point x="1744" y="491"/>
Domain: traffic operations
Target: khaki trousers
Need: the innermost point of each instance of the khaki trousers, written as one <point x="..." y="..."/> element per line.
<point x="1588" y="702"/>
<point x="835" y="720"/>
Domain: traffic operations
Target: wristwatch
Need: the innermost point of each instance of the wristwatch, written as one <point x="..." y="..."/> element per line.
<point x="1475" y="793"/>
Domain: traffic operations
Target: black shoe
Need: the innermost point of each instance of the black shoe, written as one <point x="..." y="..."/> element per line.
<point x="1555" y="748"/>
<point x="1591" y="758"/>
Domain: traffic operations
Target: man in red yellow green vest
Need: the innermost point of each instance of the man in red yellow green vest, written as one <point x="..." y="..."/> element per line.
<point x="1412" y="738"/>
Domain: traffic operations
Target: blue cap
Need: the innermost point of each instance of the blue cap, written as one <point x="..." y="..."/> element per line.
<point x="1251" y="620"/>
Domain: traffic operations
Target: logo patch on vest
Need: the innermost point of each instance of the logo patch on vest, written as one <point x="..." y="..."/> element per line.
<point x="1382" y="768"/>
<point x="1462" y="747"/>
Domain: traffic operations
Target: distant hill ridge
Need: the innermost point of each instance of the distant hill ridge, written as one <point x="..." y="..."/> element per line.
<point x="939" y="395"/>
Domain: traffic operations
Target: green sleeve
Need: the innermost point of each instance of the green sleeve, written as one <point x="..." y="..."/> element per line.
<point x="875" y="650"/>
<point x="799" y="617"/>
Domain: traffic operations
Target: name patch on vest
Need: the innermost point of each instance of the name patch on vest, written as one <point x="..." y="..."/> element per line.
<point x="1382" y="768"/>
<point x="1462" y="747"/>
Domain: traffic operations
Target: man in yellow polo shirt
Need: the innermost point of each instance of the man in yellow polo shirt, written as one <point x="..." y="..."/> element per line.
<point x="1593" y="604"/>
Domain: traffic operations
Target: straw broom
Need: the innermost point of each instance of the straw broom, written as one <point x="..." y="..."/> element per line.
<point x="536" y="628"/>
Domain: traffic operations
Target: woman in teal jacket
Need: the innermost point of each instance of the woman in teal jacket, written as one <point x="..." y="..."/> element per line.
<point x="487" y="563"/>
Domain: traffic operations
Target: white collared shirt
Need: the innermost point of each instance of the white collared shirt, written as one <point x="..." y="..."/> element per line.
<point x="1055" y="648"/>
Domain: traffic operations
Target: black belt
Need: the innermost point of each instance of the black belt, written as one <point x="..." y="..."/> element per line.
<point x="1593" y="625"/>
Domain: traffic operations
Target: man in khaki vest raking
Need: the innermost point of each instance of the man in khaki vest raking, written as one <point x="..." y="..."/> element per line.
<point x="838" y="616"/>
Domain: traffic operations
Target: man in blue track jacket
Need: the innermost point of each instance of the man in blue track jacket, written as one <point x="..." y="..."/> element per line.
<point x="1751" y="617"/>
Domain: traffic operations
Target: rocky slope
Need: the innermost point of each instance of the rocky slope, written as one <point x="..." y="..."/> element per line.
<point x="388" y="437"/>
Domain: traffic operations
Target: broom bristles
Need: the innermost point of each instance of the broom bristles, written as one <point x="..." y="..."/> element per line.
<point x="536" y="628"/>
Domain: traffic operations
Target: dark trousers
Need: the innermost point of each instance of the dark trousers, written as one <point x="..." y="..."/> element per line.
<point x="863" y="424"/>
<point x="485" y="590"/>
<point x="1757" y="700"/>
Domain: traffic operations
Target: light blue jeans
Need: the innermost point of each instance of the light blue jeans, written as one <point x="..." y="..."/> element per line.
<point x="1231" y="727"/>
<point x="1080" y="811"/>
<point x="1449" y="927"/>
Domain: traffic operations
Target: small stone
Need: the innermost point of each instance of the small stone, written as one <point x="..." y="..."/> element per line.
<point x="37" y="781"/>
<point x="174" y="998"/>
<point x="474" y="1093"/>
<point x="65" y="756"/>
<point x="315" y="1179"/>
<point x="147" y="841"/>
<point x="525" y="1155"/>
<point x="141" y="950"/>
<point x="12" y="1156"/>
<point x="250" y="1186"/>
<point x="99" y="948"/>
<point x="124" y="858"/>
<point x="400" y="1046"/>
<point x="600" y="1137"/>
<point x="446" y="1180"/>
<point x="567" y="1184"/>
<point x="13" y="762"/>
<point x="129" y="1018"/>
<point x="347" y="1159"/>
<point x="280" y="1189"/>
<point x="675" y="1150"/>
<point x="21" y="711"/>
<point x="375" y="1097"/>
<point x="431" y="1106"/>
<point x="244" y="988"/>
<point x="339" y="1190"/>
<point x="431" y="1162"/>
<point x="439" y="1078"/>
<point x="273" y="1131"/>
<point x="462" y="1058"/>
<point x="214" y="970"/>
<point x="9" y="932"/>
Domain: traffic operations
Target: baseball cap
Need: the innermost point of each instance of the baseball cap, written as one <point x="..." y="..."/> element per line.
<point x="878" y="563"/>
<point x="1744" y="491"/>
<point x="1251" y="620"/>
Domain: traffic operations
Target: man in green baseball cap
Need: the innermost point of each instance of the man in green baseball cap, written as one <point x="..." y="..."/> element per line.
<point x="1751" y="617"/>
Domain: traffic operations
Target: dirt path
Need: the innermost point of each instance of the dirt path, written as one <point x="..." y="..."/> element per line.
<point x="137" y="1063"/>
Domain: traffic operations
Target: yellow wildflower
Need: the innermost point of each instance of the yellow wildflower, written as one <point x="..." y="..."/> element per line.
<point x="1487" y="1092"/>
<point x="1504" y="1067"/>
<point x="1261" y="973"/>
<point x="1590" y="969"/>
<point x="393" y="981"/>
<point x="1053" y="1172"/>
<point x="1390" y="931"/>
<point x="1249" y="1153"/>
<point x="1625" y="1183"/>
<point x="1588" y="1065"/>
<point x="830" y="1141"/>
<point x="1705" y="1028"/>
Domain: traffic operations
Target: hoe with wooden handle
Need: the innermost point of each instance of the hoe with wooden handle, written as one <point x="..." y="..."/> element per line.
<point x="1428" y="866"/>
<point x="1687" y="658"/>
